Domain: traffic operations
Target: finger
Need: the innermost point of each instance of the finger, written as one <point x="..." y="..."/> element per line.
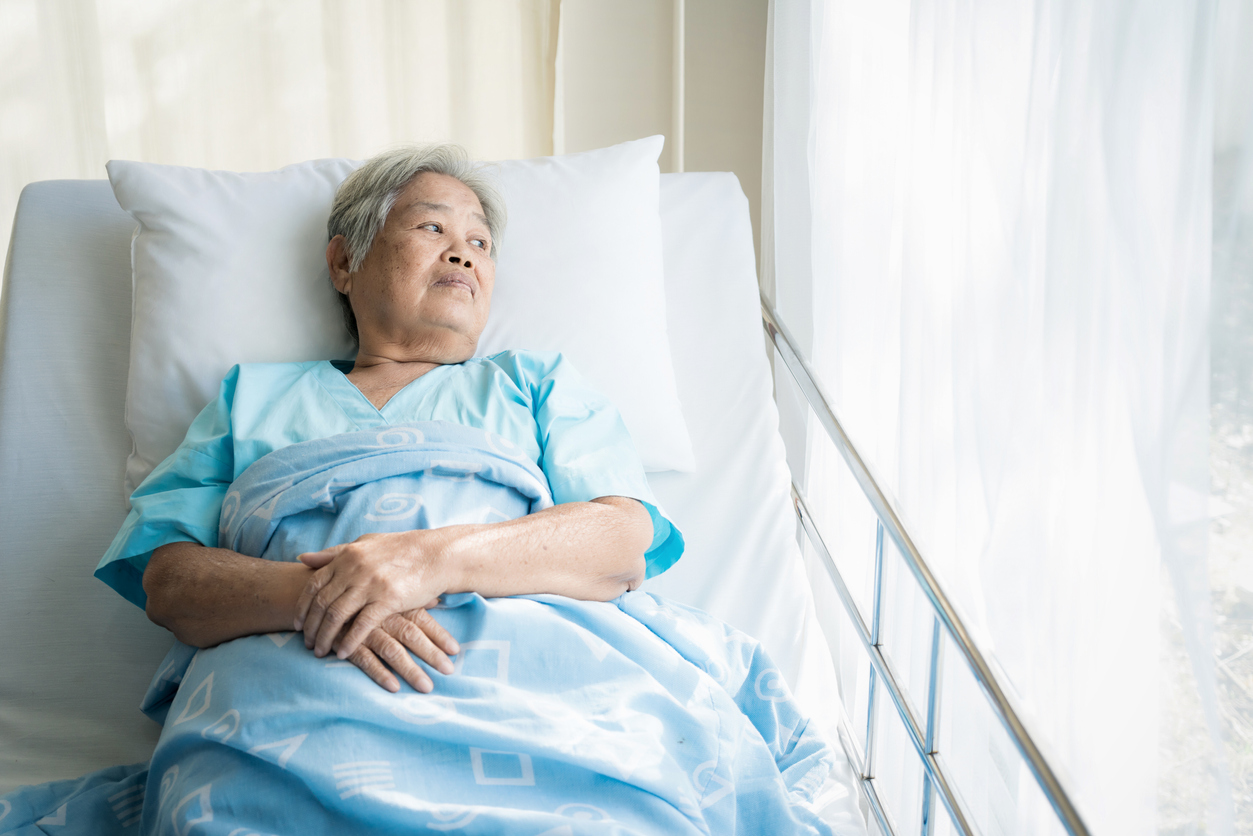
<point x="391" y="652"/>
<point x="315" y="621"/>
<point x="309" y="595"/>
<point x="412" y="637"/>
<point x="434" y="630"/>
<point x="332" y="588"/>
<point x="338" y="613"/>
<point x="369" y="617"/>
<point x="368" y="662"/>
<point x="316" y="560"/>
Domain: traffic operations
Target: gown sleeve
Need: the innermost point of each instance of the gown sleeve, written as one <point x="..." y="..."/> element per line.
<point x="180" y="501"/>
<point x="587" y="450"/>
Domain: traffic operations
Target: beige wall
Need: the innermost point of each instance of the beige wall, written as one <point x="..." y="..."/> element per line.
<point x="725" y="79"/>
<point x="618" y="78"/>
<point x="615" y="75"/>
<point x="255" y="86"/>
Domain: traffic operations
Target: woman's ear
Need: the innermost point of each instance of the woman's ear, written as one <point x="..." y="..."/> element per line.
<point x="337" y="264"/>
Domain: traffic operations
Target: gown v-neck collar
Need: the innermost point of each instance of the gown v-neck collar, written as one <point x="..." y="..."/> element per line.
<point x="359" y="408"/>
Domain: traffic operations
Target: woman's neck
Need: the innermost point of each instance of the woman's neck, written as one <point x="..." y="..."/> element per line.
<point x="379" y="379"/>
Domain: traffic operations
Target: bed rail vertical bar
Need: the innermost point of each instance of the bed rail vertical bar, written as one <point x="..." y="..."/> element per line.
<point x="927" y="827"/>
<point x="934" y="680"/>
<point x="876" y="621"/>
<point x="877" y="618"/>
<point x="886" y="824"/>
<point x="868" y="770"/>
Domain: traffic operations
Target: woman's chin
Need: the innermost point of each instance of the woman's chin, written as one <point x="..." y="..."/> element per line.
<point x="447" y="346"/>
<point x="444" y="341"/>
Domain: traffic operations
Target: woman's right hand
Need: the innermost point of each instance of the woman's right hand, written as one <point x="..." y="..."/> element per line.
<point x="388" y="645"/>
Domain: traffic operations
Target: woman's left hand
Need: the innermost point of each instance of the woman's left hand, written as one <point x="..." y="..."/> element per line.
<point x="388" y="646"/>
<point x="365" y="581"/>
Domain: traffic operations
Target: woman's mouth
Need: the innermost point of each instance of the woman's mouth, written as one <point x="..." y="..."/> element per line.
<point x="457" y="280"/>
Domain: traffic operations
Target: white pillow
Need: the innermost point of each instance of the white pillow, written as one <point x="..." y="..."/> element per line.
<point x="230" y="268"/>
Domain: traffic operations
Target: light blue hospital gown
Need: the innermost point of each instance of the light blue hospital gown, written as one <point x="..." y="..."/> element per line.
<point x="534" y="399"/>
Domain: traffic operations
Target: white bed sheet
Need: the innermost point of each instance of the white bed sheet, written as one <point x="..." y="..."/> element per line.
<point x="742" y="563"/>
<point x="76" y="658"/>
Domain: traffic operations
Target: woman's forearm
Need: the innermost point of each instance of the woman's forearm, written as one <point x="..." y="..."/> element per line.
<point x="207" y="596"/>
<point x="593" y="551"/>
<point x="588" y="550"/>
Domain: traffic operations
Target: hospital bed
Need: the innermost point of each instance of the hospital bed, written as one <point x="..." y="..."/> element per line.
<point x="75" y="657"/>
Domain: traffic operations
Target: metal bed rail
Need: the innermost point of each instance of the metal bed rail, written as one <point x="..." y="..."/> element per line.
<point x="921" y="731"/>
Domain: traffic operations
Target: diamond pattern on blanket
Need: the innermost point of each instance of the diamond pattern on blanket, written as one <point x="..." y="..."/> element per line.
<point x="502" y="769"/>
<point x="198" y="702"/>
<point x="225" y="727"/>
<point x="476" y="659"/>
<point x="57" y="818"/>
<point x="195" y="808"/>
<point x="289" y="746"/>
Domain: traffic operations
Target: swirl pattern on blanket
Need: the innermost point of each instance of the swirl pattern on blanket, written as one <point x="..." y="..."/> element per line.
<point x="563" y="717"/>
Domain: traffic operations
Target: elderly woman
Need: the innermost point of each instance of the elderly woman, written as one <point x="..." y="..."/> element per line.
<point x="361" y="504"/>
<point x="413" y="238"/>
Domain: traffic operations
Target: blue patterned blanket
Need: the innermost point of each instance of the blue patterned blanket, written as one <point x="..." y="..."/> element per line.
<point x="563" y="717"/>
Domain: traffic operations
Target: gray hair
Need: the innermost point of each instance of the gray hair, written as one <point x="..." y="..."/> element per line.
<point x="366" y="196"/>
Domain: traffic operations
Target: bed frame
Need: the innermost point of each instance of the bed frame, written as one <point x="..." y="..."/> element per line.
<point x="922" y="732"/>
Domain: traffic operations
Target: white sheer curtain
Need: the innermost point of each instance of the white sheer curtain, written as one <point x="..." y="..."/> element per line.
<point x="243" y="85"/>
<point x="1231" y="403"/>
<point x="991" y="225"/>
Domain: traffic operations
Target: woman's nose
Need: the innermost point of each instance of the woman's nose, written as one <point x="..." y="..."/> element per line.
<point x="456" y="259"/>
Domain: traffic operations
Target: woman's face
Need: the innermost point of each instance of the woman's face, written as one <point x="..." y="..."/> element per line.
<point x="425" y="287"/>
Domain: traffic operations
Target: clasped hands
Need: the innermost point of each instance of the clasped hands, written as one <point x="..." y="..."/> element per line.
<point x="367" y="600"/>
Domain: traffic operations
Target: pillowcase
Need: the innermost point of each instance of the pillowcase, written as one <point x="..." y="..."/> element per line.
<point x="230" y="268"/>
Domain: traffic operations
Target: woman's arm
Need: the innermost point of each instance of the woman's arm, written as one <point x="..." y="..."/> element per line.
<point x="588" y="550"/>
<point x="208" y="596"/>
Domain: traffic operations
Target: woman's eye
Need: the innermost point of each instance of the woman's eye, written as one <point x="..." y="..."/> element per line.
<point x="434" y="227"/>
<point x="479" y="242"/>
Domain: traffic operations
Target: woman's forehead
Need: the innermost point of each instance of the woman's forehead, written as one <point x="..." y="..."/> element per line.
<point x="441" y="193"/>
